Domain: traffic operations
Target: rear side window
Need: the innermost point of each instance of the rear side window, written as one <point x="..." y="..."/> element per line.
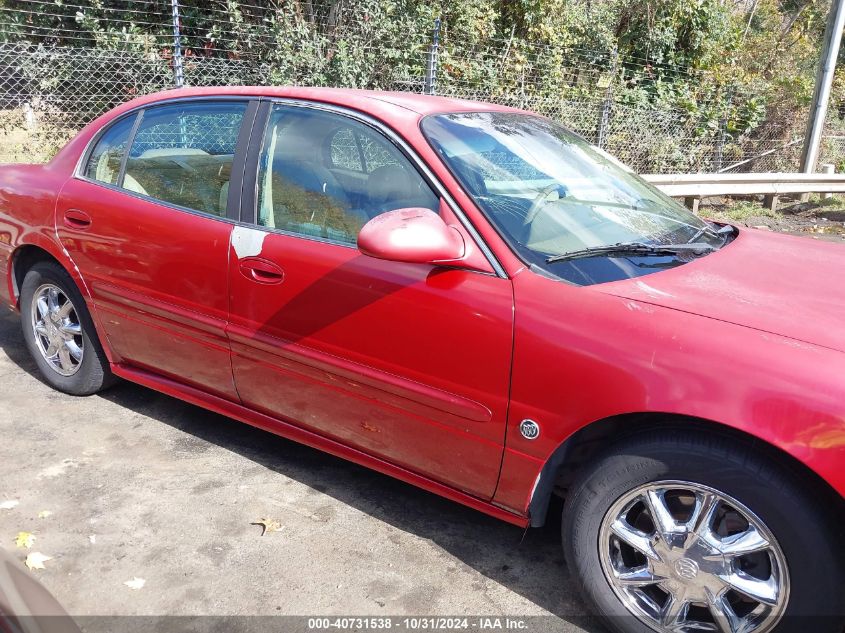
<point x="344" y="150"/>
<point x="182" y="154"/>
<point x="377" y="153"/>
<point x="356" y="151"/>
<point x="104" y="162"/>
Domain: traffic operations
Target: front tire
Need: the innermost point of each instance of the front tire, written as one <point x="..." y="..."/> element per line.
<point x="59" y="332"/>
<point x="688" y="532"/>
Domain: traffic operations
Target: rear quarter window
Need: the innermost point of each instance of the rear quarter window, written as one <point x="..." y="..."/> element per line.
<point x="344" y="150"/>
<point x="104" y="161"/>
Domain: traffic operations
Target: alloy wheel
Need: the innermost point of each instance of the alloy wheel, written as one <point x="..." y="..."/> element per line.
<point x="57" y="329"/>
<point x="685" y="557"/>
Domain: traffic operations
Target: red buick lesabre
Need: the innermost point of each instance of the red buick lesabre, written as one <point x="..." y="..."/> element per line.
<point x="474" y="300"/>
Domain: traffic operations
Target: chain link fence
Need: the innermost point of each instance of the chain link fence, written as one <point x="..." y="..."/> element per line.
<point x="57" y="75"/>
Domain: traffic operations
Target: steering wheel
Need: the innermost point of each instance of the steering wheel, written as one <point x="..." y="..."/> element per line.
<point x="537" y="204"/>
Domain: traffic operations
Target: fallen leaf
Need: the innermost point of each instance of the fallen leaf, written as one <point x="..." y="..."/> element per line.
<point x="24" y="539"/>
<point x="36" y="560"/>
<point x="44" y="514"/>
<point x="8" y="505"/>
<point x="268" y="525"/>
<point x="135" y="583"/>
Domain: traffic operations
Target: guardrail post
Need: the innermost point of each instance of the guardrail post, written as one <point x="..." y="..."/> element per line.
<point x="770" y="201"/>
<point x="828" y="168"/>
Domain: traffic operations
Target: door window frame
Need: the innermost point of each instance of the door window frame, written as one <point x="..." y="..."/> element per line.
<point x="233" y="206"/>
<point x="249" y="197"/>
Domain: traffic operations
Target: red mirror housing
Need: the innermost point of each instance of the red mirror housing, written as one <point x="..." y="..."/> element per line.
<point x="413" y="235"/>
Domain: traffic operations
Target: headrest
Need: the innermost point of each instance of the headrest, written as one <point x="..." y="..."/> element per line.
<point x="157" y="152"/>
<point x="300" y="140"/>
<point x="390" y="182"/>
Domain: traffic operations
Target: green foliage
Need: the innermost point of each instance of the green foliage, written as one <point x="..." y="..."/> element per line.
<point x="743" y="210"/>
<point x="723" y="73"/>
<point x="688" y="33"/>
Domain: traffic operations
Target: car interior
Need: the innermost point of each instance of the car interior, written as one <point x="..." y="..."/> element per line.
<point x="321" y="174"/>
<point x="537" y="212"/>
<point x="183" y="155"/>
<point x="185" y="176"/>
<point x="325" y="175"/>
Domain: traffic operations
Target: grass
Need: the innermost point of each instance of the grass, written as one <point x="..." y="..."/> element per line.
<point x="739" y="211"/>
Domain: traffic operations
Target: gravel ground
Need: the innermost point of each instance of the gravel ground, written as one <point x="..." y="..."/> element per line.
<point x="140" y="485"/>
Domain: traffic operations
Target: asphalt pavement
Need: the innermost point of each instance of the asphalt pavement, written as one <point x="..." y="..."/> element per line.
<point x="136" y="487"/>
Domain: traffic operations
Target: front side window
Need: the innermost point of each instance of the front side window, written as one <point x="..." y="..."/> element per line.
<point x="182" y="154"/>
<point x="564" y="205"/>
<point x="105" y="160"/>
<point x="316" y="179"/>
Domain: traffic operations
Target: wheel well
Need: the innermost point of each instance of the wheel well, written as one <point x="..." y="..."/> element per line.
<point x="25" y="258"/>
<point x="563" y="466"/>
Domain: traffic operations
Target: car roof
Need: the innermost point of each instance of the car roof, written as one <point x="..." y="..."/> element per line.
<point x="363" y="100"/>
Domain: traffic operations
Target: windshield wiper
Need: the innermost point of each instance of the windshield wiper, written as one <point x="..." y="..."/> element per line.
<point x="725" y="230"/>
<point x="633" y="248"/>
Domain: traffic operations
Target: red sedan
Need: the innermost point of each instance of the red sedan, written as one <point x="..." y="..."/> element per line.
<point x="474" y="300"/>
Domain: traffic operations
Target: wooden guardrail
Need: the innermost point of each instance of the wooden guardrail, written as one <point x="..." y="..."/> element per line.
<point x="693" y="187"/>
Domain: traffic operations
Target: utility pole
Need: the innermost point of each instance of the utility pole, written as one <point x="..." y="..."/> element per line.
<point x="824" y="79"/>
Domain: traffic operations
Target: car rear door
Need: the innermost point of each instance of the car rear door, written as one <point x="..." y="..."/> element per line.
<point x="407" y="362"/>
<point x="148" y="220"/>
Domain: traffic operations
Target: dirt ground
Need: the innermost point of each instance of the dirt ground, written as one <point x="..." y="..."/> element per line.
<point x="142" y="486"/>
<point x="819" y="218"/>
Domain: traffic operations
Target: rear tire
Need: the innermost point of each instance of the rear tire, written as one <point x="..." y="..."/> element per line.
<point x="671" y="477"/>
<point x="60" y="334"/>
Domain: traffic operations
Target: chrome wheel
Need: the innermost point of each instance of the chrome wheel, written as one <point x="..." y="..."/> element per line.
<point x="57" y="330"/>
<point x="684" y="557"/>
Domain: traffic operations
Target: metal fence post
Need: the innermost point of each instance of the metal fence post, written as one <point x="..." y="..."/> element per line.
<point x="722" y="134"/>
<point x="178" y="75"/>
<point x="431" y="67"/>
<point x="607" y="103"/>
<point x="720" y="146"/>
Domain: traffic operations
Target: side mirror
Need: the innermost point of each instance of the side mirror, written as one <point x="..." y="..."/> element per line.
<point x="415" y="235"/>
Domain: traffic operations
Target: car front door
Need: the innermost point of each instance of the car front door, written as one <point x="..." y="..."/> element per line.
<point x="147" y="222"/>
<point x="407" y="362"/>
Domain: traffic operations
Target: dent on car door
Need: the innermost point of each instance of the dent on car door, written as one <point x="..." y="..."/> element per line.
<point x="146" y="224"/>
<point x="407" y="362"/>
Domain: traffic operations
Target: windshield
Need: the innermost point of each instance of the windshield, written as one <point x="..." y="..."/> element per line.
<point x="551" y="193"/>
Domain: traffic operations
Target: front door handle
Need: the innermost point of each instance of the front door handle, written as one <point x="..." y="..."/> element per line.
<point x="261" y="271"/>
<point x="76" y="219"/>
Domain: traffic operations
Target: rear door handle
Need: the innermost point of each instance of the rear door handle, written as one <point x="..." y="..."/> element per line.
<point x="261" y="271"/>
<point x="76" y="219"/>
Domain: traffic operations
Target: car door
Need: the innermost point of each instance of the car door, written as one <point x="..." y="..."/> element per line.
<point x="407" y="362"/>
<point x="147" y="222"/>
